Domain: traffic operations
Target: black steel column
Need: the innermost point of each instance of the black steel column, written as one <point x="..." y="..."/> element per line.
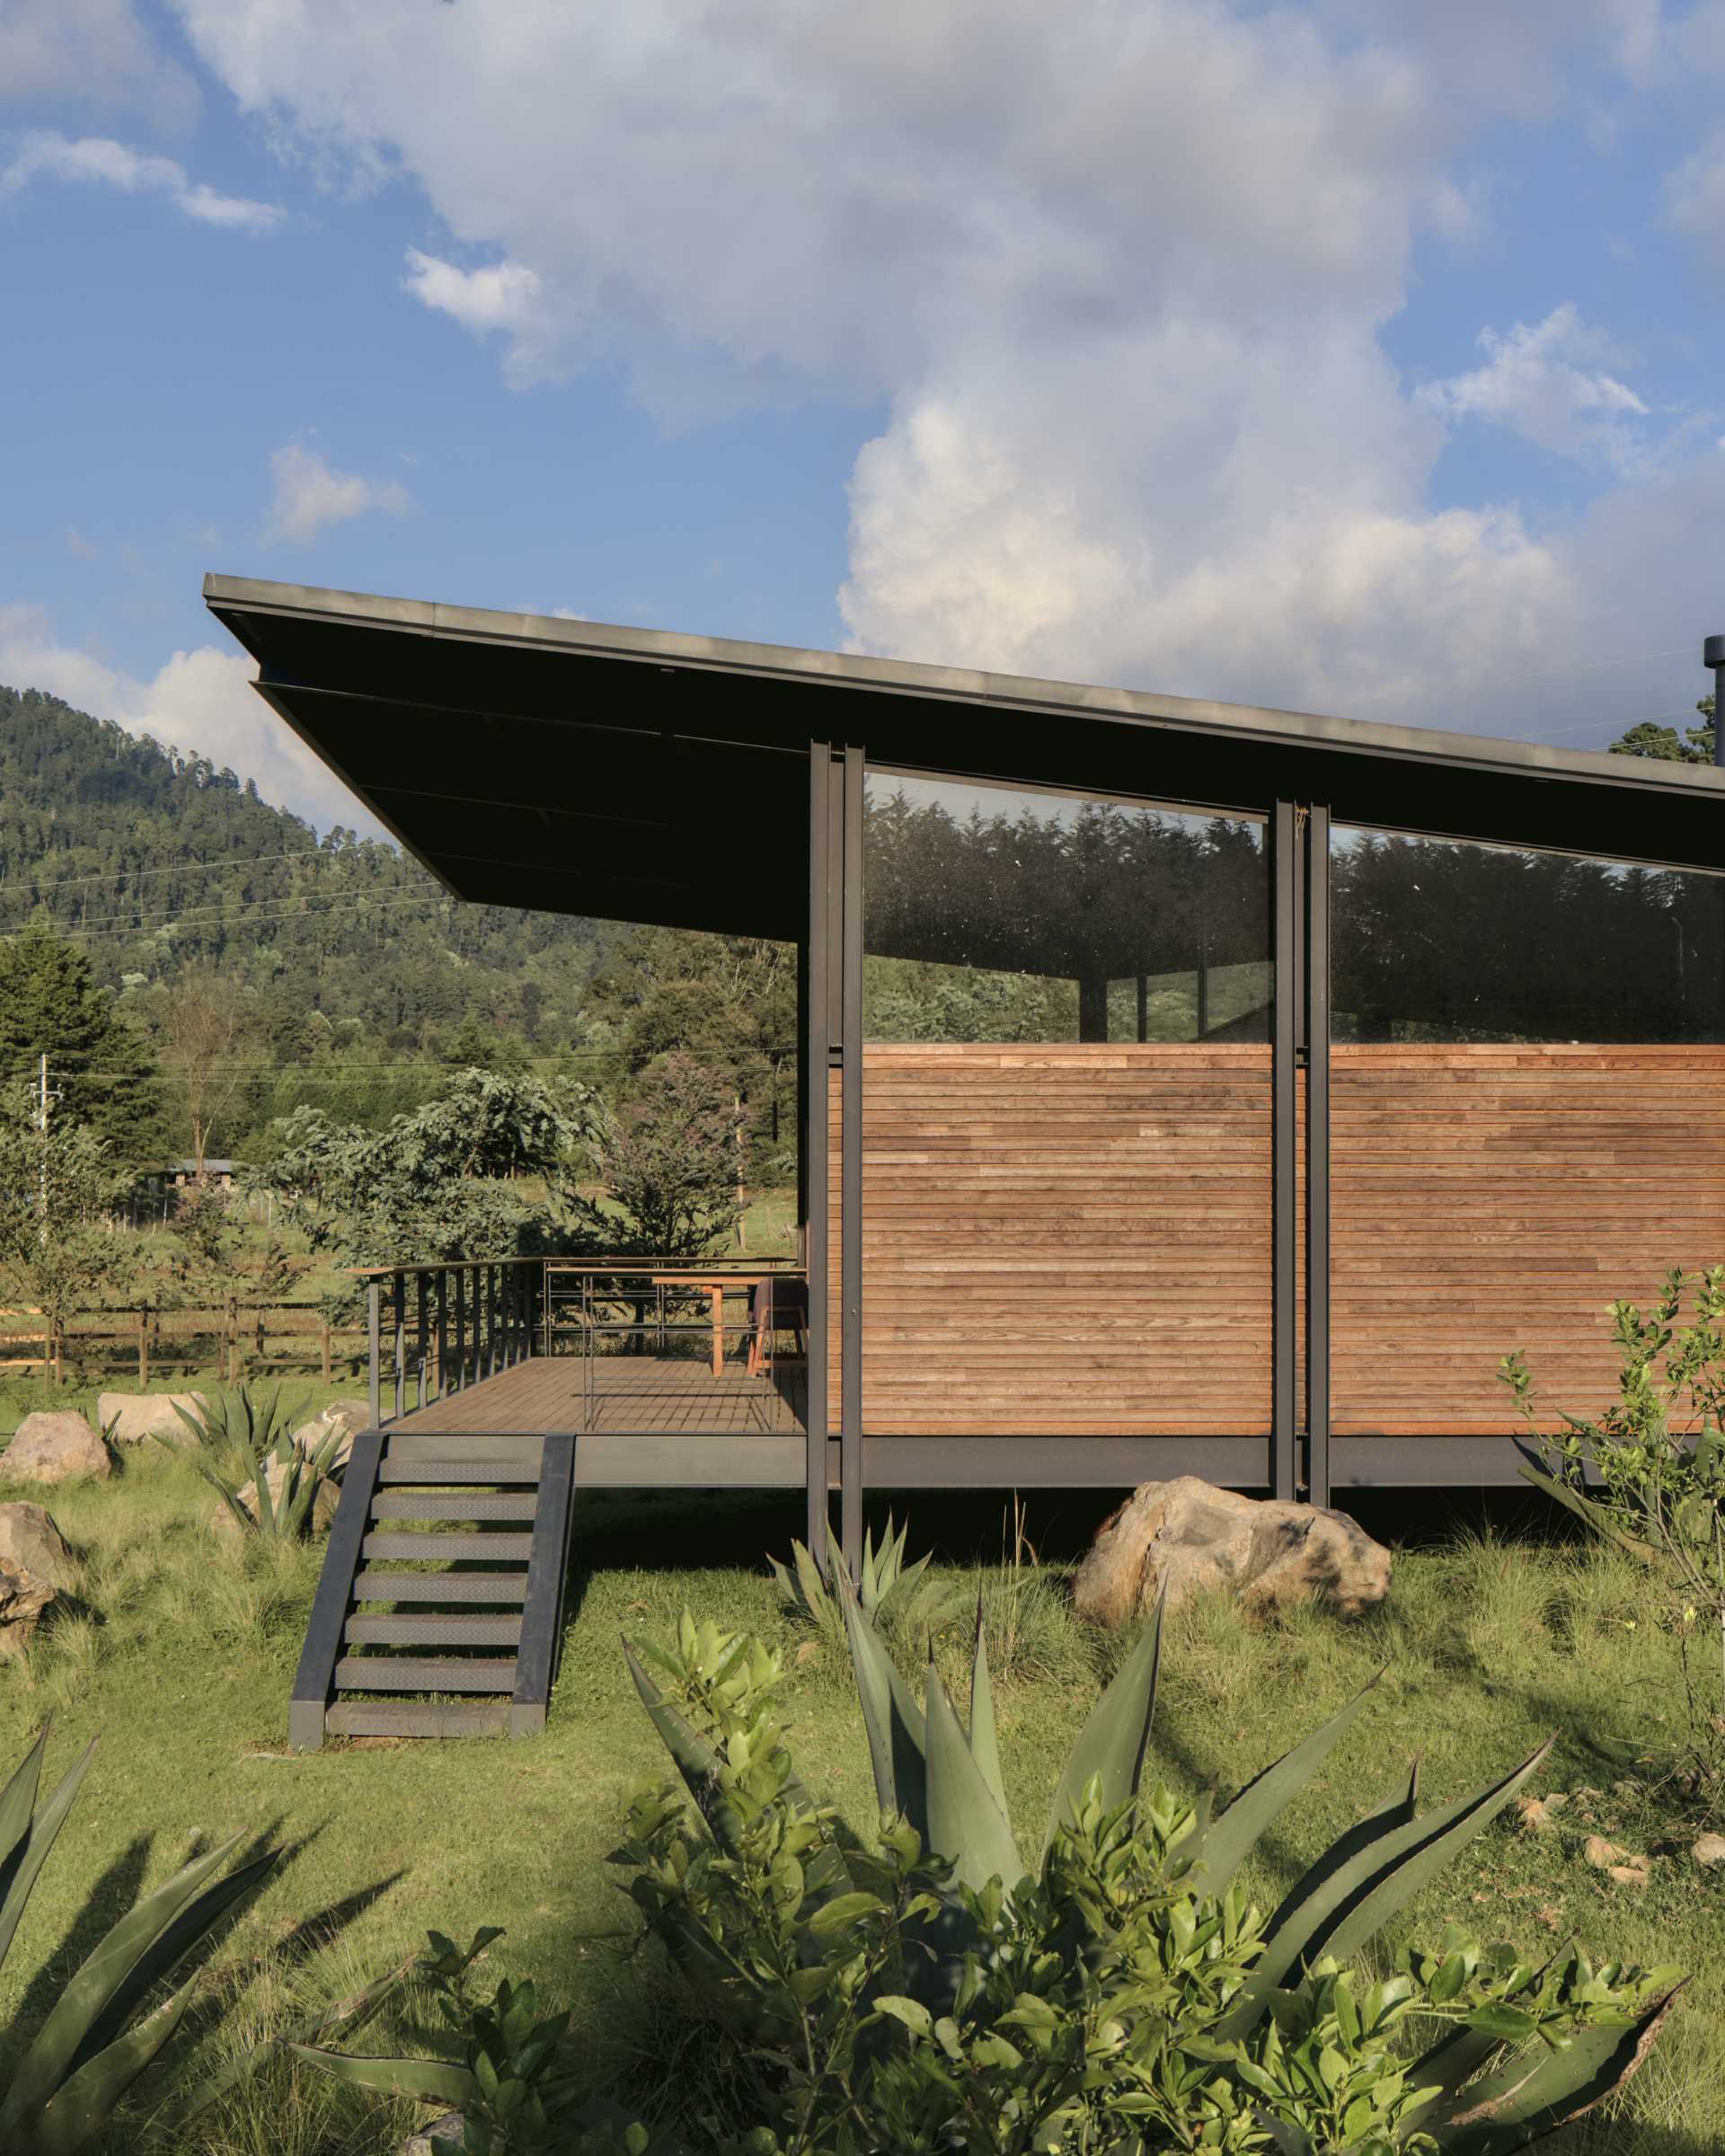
<point x="1284" y="1138"/>
<point x="1317" y="1155"/>
<point x="850" y="1254"/>
<point x="815" y="1056"/>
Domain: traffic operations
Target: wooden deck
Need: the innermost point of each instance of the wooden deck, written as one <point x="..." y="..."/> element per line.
<point x="632" y="1395"/>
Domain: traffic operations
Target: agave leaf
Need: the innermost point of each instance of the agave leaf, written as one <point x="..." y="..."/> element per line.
<point x="896" y="1727"/>
<point x="61" y="2045"/>
<point x="1112" y="1742"/>
<point x="230" y="1498"/>
<point x="1535" y="2095"/>
<point x="985" y="1741"/>
<point x="199" y="1424"/>
<point x="28" y="1852"/>
<point x="352" y="2013"/>
<point x="966" y="1824"/>
<point x="868" y="1585"/>
<point x="167" y="1949"/>
<point x="1596" y="1515"/>
<point x="83" y="2104"/>
<point x="782" y="1579"/>
<point x="1455" y="1829"/>
<point x="1362" y="1880"/>
<point x="1220" y="1853"/>
<point x="815" y="1598"/>
<point x="428" y="2080"/>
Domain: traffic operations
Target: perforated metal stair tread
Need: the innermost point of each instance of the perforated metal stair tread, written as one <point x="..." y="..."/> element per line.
<point x="401" y="1673"/>
<point x="451" y="1505"/>
<point x="425" y="1628"/>
<point x="418" y="1718"/>
<point x="373" y="1585"/>
<point x="459" y="1469"/>
<point x="441" y="1548"/>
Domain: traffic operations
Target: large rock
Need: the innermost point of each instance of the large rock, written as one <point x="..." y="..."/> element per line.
<point x="24" y="1601"/>
<point x="129" y="1417"/>
<point x="343" y="1420"/>
<point x="1187" y="1535"/>
<point x="31" y="1542"/>
<point x="223" y="1523"/>
<point x="55" y="1444"/>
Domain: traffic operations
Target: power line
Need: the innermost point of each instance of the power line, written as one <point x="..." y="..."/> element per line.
<point x="223" y="861"/>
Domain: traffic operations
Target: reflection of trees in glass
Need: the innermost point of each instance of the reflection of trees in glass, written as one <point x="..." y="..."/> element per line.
<point x="1083" y="920"/>
<point x="1438" y="941"/>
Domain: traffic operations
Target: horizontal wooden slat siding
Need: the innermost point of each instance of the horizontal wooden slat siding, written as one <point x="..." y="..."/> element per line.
<point x="1488" y="1198"/>
<point x="1065" y="1239"/>
<point x="1075" y="1238"/>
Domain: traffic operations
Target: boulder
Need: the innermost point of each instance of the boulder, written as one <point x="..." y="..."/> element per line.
<point x="223" y="1523"/>
<point x="31" y="1542"/>
<point x="55" y="1444"/>
<point x="129" y="1417"/>
<point x="1187" y="1535"/>
<point x="24" y="1601"/>
<point x="343" y="1420"/>
<point x="441" y="2136"/>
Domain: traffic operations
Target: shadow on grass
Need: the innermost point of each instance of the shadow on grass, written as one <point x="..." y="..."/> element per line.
<point x="109" y="1897"/>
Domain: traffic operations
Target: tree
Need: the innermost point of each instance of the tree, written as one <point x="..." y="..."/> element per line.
<point x="668" y="1156"/>
<point x="209" y="1026"/>
<point x="102" y="1075"/>
<point x="1662" y="742"/>
<point x="439" y="1183"/>
<point x="728" y="1001"/>
<point x="57" y="1185"/>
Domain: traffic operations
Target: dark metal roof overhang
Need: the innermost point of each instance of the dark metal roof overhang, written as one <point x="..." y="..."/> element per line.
<point x="641" y="775"/>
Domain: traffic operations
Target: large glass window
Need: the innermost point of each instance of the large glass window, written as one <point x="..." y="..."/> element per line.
<point x="992" y="915"/>
<point x="1525" y="1121"/>
<point x="1066" y="1127"/>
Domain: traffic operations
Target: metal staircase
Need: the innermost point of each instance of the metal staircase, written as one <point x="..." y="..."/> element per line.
<point x="443" y="1581"/>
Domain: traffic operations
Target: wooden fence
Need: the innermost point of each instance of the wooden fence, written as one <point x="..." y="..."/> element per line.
<point x="287" y="1337"/>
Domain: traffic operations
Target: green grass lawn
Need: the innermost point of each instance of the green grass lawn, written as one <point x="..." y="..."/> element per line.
<point x="183" y="1661"/>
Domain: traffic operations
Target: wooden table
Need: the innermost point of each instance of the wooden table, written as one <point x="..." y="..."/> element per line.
<point x="714" y="1287"/>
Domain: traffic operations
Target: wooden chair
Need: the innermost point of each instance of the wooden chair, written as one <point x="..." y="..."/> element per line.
<point x="777" y="1305"/>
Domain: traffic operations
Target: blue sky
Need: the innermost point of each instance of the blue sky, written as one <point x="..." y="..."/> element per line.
<point x="1341" y="357"/>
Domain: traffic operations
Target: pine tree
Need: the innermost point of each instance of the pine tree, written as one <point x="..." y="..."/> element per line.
<point x="101" y="1075"/>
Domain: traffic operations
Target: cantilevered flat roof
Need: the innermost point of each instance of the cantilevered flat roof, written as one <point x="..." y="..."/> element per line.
<point x="646" y="775"/>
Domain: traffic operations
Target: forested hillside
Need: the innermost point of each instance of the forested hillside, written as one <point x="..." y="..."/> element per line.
<point x="363" y="982"/>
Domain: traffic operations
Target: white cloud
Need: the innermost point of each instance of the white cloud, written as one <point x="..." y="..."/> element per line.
<point x="502" y="295"/>
<point x="201" y="703"/>
<point x="94" y="160"/>
<point x="310" y="494"/>
<point x="1119" y="276"/>
<point x="91" y="52"/>
<point x="1547" y="383"/>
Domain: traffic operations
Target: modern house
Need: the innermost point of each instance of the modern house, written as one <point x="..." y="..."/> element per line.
<point x="1183" y="1087"/>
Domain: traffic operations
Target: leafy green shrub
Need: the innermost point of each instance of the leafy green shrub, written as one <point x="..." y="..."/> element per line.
<point x="895" y="1596"/>
<point x="510" y="2085"/>
<point x="1123" y="1994"/>
<point x="92" y="2046"/>
<point x="1648" y="1476"/>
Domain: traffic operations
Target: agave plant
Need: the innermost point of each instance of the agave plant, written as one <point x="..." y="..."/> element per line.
<point x="894" y="1596"/>
<point x="1122" y="1979"/>
<point x="287" y="1514"/>
<point x="236" y="1423"/>
<point x="64" y="2087"/>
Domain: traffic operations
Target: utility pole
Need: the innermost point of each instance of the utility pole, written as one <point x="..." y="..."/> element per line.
<point x="41" y="1125"/>
<point x="1713" y="654"/>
